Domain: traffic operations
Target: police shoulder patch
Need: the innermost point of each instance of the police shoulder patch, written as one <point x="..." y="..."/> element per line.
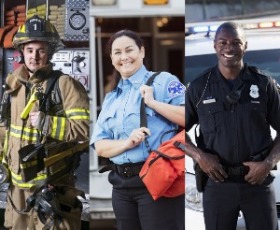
<point x="176" y="88"/>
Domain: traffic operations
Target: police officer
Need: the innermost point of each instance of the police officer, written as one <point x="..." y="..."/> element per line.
<point x="235" y="104"/>
<point x="118" y="136"/>
<point x="30" y="123"/>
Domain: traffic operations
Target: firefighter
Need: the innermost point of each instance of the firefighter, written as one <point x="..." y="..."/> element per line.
<point x="40" y="118"/>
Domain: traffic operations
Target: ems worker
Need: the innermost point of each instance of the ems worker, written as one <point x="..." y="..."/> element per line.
<point x="118" y="136"/>
<point x="235" y="104"/>
<point x="42" y="120"/>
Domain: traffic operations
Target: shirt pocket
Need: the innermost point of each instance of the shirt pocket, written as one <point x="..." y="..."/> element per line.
<point x="109" y="121"/>
<point x="210" y="116"/>
<point x="254" y="111"/>
<point x="132" y="119"/>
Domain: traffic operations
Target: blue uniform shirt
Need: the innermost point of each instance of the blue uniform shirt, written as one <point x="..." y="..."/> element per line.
<point x="120" y="113"/>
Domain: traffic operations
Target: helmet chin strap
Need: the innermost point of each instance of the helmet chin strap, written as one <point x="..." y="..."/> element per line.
<point x="23" y="61"/>
<point x="29" y="70"/>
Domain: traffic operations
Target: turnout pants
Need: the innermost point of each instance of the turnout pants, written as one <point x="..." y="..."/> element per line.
<point x="223" y="201"/>
<point x="30" y="220"/>
<point x="135" y="208"/>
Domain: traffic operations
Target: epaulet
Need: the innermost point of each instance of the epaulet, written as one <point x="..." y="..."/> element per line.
<point x="203" y="78"/>
<point x="257" y="70"/>
<point x="205" y="72"/>
<point x="151" y="79"/>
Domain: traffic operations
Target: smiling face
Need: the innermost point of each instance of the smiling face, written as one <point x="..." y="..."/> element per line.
<point x="230" y="45"/>
<point x="126" y="56"/>
<point x="35" y="55"/>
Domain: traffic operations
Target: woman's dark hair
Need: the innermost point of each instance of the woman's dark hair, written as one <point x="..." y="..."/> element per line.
<point x="128" y="33"/>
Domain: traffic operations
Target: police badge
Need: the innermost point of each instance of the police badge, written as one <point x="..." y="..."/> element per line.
<point x="254" y="91"/>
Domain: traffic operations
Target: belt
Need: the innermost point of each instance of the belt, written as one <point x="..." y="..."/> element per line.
<point x="237" y="170"/>
<point x="124" y="170"/>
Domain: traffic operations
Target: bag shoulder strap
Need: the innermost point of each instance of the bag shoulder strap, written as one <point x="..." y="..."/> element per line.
<point x="151" y="79"/>
<point x="143" y="116"/>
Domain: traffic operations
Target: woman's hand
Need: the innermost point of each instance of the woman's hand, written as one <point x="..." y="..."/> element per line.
<point x="147" y="93"/>
<point x="173" y="113"/>
<point x="136" y="137"/>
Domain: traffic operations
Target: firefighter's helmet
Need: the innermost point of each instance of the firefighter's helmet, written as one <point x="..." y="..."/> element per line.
<point x="38" y="29"/>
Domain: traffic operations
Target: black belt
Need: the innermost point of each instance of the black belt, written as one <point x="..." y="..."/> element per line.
<point x="237" y="170"/>
<point x="125" y="170"/>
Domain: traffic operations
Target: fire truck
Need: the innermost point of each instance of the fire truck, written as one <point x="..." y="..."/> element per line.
<point x="160" y="23"/>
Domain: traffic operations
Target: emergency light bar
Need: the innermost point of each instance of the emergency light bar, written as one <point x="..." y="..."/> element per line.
<point x="212" y="27"/>
<point x="201" y="29"/>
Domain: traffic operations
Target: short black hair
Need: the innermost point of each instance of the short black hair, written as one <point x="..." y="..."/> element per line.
<point x="233" y="26"/>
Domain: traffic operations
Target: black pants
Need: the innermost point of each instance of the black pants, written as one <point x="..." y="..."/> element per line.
<point x="223" y="201"/>
<point x="135" y="209"/>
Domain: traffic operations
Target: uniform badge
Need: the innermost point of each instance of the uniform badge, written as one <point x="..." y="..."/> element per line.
<point x="176" y="88"/>
<point x="254" y="91"/>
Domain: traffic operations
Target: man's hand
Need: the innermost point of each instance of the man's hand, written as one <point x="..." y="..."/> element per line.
<point x="37" y="119"/>
<point x="210" y="164"/>
<point x="258" y="171"/>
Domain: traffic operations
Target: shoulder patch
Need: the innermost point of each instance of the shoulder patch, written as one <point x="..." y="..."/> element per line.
<point x="176" y="88"/>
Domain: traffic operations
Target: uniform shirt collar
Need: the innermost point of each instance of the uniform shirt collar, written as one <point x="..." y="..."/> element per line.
<point x="244" y="75"/>
<point x="136" y="80"/>
<point x="247" y="74"/>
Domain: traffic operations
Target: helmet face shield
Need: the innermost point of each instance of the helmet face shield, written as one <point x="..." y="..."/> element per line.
<point x="38" y="29"/>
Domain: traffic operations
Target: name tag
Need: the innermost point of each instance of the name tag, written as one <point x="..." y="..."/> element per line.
<point x="208" y="101"/>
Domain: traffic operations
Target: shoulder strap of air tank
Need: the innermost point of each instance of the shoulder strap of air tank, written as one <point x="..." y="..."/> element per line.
<point x="50" y="86"/>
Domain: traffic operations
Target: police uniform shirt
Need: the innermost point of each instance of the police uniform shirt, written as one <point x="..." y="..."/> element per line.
<point x="120" y="113"/>
<point x="233" y="131"/>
